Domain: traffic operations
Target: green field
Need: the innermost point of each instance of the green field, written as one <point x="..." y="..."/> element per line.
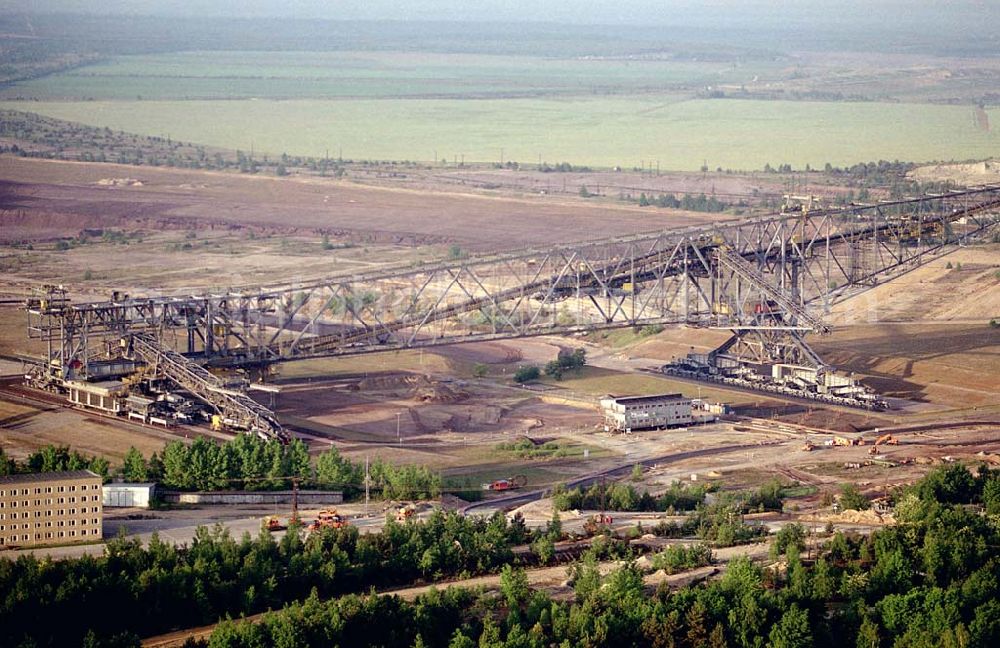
<point x="679" y="133"/>
<point x="370" y="75"/>
<point x="407" y="106"/>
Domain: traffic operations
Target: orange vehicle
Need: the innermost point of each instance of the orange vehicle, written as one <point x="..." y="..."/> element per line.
<point x="885" y="439"/>
<point x="404" y="513"/>
<point x="596" y="522"/>
<point x="511" y="483"/>
<point x="328" y="519"/>
<point x="272" y="523"/>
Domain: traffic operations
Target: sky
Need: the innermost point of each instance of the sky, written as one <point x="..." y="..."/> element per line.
<point x="719" y="13"/>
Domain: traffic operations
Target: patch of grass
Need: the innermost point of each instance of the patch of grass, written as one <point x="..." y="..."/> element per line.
<point x="525" y="448"/>
<point x="597" y="381"/>
<point x="798" y="491"/>
<point x="624" y="338"/>
<point x="391" y="361"/>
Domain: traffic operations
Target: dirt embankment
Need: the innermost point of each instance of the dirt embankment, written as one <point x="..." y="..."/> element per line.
<point x="986" y="172"/>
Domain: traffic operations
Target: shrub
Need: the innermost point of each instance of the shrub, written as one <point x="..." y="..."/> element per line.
<point x="526" y="373"/>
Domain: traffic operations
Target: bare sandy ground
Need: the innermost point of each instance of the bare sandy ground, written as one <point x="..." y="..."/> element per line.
<point x="60" y="198"/>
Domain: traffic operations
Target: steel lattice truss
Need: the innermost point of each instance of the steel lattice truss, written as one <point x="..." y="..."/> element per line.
<point x="769" y="280"/>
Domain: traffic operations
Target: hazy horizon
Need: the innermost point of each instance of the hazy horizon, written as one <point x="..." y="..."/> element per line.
<point x="890" y="14"/>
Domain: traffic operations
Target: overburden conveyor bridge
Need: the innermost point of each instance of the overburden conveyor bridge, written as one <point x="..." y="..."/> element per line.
<point x="768" y="280"/>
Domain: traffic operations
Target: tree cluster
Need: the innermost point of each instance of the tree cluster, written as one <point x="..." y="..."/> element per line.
<point x="162" y="587"/>
<point x="566" y="360"/>
<point x="53" y="459"/>
<point x="690" y="202"/>
<point x="624" y="497"/>
<point x="245" y="463"/>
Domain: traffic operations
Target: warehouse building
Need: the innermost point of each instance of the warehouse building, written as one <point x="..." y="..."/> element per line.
<point x="630" y="413"/>
<point x="50" y="508"/>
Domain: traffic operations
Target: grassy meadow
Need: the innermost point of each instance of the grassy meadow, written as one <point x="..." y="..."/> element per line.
<point x="411" y="106"/>
<point x="680" y="134"/>
<point x="370" y="75"/>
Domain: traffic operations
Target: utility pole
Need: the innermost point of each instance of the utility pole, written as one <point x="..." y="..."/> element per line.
<point x="367" y="482"/>
<point x="295" y="501"/>
<point x="399" y="438"/>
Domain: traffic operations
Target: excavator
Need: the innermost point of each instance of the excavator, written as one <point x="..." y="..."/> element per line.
<point x="885" y="439"/>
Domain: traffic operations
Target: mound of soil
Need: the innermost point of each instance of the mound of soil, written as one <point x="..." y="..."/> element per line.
<point x="416" y="386"/>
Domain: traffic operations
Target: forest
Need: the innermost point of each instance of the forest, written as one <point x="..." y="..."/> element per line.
<point x="930" y="580"/>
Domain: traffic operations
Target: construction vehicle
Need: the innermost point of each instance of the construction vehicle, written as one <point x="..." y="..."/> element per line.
<point x="511" y="483"/>
<point x="404" y="513"/>
<point x="808" y="446"/>
<point x="272" y="524"/>
<point x="885" y="439"/>
<point x="328" y="519"/>
<point x="595" y="522"/>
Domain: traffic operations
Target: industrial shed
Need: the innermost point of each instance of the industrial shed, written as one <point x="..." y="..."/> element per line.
<point x="128" y="495"/>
